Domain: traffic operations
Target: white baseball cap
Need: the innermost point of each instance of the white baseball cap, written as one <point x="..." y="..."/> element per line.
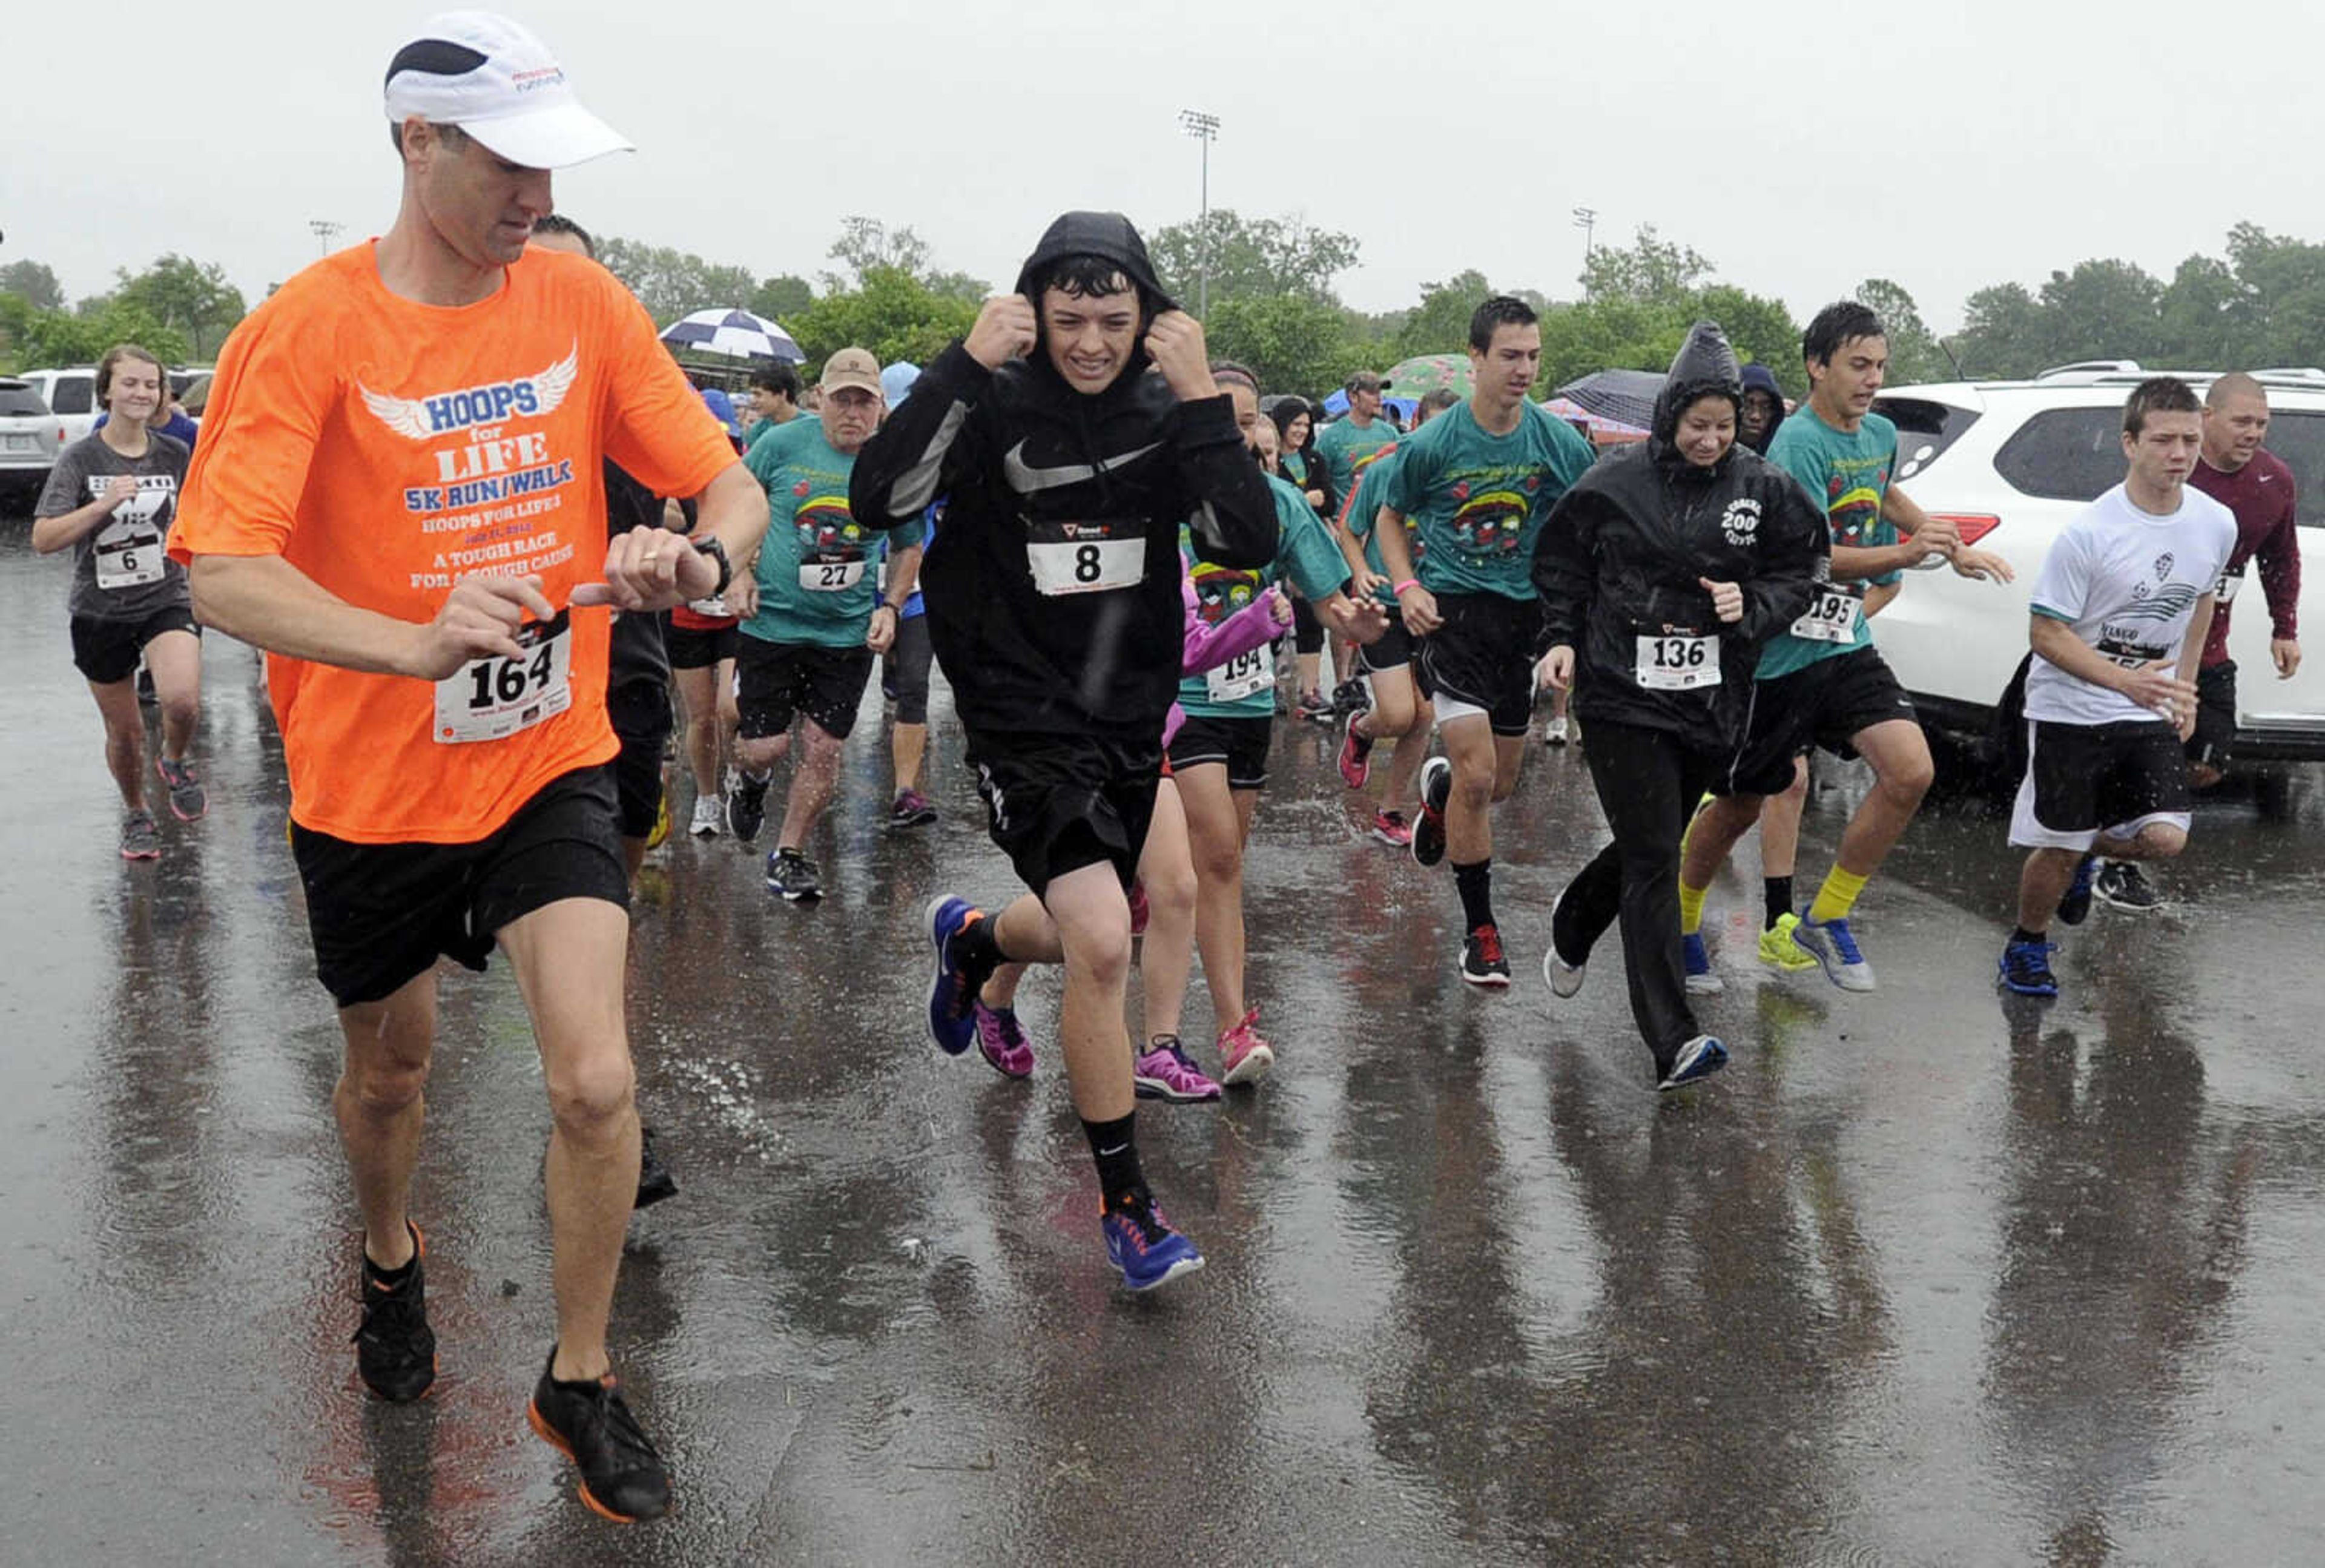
<point x="496" y="81"/>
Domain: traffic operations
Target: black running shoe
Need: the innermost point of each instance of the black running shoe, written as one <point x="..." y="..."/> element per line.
<point x="2122" y="885"/>
<point x="395" y="1350"/>
<point x="2076" y="906"/>
<point x="746" y="806"/>
<point x="1482" y="963"/>
<point x="1428" y="825"/>
<point x="622" y="1477"/>
<point x="654" y="1181"/>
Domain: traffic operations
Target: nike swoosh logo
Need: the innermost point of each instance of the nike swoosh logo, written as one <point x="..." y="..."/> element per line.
<point x="1025" y="479"/>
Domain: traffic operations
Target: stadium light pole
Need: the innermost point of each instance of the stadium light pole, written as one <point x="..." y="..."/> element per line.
<point x="1204" y="128"/>
<point x="1586" y="219"/>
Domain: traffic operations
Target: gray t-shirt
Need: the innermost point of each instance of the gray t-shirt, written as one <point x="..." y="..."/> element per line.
<point x="119" y="570"/>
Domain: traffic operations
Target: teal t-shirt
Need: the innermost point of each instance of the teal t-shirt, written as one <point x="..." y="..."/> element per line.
<point x="1364" y="510"/>
<point x="1296" y="468"/>
<point x="1306" y="556"/>
<point x="818" y="575"/>
<point x="1479" y="500"/>
<point x="766" y="427"/>
<point x="1847" y="472"/>
<point x="1348" y="451"/>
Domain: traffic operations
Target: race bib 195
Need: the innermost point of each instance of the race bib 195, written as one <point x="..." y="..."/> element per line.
<point x="1831" y="614"/>
<point x="493" y="698"/>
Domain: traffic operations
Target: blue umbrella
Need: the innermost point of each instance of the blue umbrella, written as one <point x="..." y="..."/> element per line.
<point x="736" y="333"/>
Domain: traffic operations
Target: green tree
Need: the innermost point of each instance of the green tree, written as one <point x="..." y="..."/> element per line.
<point x="2006" y="333"/>
<point x="42" y="338"/>
<point x="2105" y="310"/>
<point x="890" y="311"/>
<point x="1651" y="271"/>
<point x="1293" y="344"/>
<point x="193" y="298"/>
<point x="672" y="283"/>
<point x="1915" y="357"/>
<point x="867" y="243"/>
<point x="35" y="283"/>
<point x="781" y="298"/>
<point x="1250" y="258"/>
<point x="1439" y="324"/>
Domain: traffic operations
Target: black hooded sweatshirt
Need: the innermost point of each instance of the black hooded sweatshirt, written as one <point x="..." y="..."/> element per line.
<point x="1625" y="549"/>
<point x="1052" y="589"/>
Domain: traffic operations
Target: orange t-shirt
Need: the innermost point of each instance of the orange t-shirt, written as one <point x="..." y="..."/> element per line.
<point x="387" y="449"/>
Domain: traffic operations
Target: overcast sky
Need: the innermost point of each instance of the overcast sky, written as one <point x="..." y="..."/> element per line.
<point x="1801" y="144"/>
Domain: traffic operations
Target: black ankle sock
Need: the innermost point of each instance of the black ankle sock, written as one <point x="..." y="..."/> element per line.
<point x="979" y="953"/>
<point x="1475" y="886"/>
<point x="2021" y="934"/>
<point x="1779" y="894"/>
<point x="1115" y="1146"/>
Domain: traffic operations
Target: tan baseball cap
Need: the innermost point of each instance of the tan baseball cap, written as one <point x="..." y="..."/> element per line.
<point x="851" y="367"/>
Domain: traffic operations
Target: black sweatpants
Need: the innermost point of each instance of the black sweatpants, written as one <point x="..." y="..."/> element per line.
<point x="1649" y="782"/>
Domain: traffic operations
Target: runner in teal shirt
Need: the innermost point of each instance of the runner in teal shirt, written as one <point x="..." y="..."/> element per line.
<point x="1244" y="688"/>
<point x="1478" y="501"/>
<point x="817" y="579"/>
<point x="1847" y="472"/>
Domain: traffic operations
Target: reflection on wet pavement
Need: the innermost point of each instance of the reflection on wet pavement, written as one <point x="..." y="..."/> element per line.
<point x="1927" y="1276"/>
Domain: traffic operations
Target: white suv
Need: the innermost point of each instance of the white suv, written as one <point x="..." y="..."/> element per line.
<point x="2013" y="462"/>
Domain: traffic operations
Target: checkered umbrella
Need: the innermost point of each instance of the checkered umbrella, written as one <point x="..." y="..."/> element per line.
<point x="736" y="333"/>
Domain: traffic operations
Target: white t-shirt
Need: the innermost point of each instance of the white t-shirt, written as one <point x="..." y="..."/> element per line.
<point x="2127" y="583"/>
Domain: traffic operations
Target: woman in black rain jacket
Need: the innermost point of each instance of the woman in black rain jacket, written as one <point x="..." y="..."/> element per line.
<point x="1661" y="573"/>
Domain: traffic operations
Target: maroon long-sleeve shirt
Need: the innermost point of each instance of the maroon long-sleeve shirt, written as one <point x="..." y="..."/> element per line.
<point x="2261" y="494"/>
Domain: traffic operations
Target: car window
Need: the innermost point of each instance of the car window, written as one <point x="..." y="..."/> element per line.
<point x="21" y="400"/>
<point x="2065" y="454"/>
<point x="2298" y="436"/>
<point x="70" y="394"/>
<point x="1925" y="429"/>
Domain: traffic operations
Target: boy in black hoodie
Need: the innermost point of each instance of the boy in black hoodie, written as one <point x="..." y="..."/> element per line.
<point x="1075" y="429"/>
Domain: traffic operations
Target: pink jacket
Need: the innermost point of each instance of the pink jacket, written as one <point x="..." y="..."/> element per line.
<point x="1207" y="646"/>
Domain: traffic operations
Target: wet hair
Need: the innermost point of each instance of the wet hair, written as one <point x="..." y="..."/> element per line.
<point x="2235" y="383"/>
<point x="1842" y="322"/>
<point x="120" y="351"/>
<point x="1501" y="310"/>
<point x="558" y="223"/>
<point x="1227" y="370"/>
<point x="779" y="378"/>
<point x="1088" y="277"/>
<point x="1437" y="400"/>
<point x="2157" y="395"/>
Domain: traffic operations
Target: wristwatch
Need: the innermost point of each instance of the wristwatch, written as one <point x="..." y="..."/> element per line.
<point x="718" y="552"/>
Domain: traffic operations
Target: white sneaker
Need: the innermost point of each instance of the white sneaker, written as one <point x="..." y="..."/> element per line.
<point x="710" y="817"/>
<point x="1554" y="733"/>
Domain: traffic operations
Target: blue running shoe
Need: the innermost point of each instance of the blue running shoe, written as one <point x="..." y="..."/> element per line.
<point x="952" y="992"/>
<point x="1141" y="1243"/>
<point x="2077" y="905"/>
<point x="1830" y="943"/>
<point x="1702" y="979"/>
<point x="1697" y="1060"/>
<point x="2026" y="969"/>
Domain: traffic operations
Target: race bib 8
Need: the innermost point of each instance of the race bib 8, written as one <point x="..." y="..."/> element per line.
<point x="1677" y="661"/>
<point x="491" y="698"/>
<point x="1244" y="675"/>
<point x="1831" y="614"/>
<point x="830" y="576"/>
<point x="1086" y="557"/>
<point x="128" y="552"/>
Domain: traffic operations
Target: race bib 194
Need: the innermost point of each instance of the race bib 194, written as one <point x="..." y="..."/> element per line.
<point x="1086" y="557"/>
<point x="491" y="698"/>
<point x="1244" y="675"/>
<point x="1677" y="661"/>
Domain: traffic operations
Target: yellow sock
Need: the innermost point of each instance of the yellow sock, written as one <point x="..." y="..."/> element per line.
<point x="1838" y="896"/>
<point x="1691" y="908"/>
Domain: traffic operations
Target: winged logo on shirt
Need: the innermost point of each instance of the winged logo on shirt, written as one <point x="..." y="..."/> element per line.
<point x="534" y="396"/>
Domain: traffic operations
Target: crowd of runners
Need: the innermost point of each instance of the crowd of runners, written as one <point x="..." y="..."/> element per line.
<point x="504" y="559"/>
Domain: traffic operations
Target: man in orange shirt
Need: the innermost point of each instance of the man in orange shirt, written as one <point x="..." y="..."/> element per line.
<point x="400" y="499"/>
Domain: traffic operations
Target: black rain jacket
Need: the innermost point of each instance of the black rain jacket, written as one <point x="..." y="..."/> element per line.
<point x="1625" y="549"/>
<point x="1025" y="459"/>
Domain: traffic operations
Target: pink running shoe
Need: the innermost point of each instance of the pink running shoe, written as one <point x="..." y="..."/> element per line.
<point x="1001" y="1042"/>
<point x="1164" y="1072"/>
<point x="1356" y="755"/>
<point x="1390" y="829"/>
<point x="1138" y="909"/>
<point x="1245" y="1056"/>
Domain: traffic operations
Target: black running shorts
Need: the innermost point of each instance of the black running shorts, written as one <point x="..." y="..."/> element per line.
<point x="699" y="647"/>
<point x="1240" y="743"/>
<point x="381" y="913"/>
<point x="105" y="652"/>
<point x="640" y="710"/>
<point x="2216" y="715"/>
<point x="1481" y="660"/>
<point x="2085" y="778"/>
<point x="773" y="681"/>
<point x="1056" y="803"/>
<point x="1822" y="704"/>
<point x="1392" y="650"/>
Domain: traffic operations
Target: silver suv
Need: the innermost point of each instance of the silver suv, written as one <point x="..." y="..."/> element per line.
<point x="2013" y="462"/>
<point x="31" y="437"/>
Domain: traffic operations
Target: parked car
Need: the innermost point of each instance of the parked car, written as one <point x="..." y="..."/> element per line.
<point x="31" y="437"/>
<point x="72" y="396"/>
<point x="2011" y="462"/>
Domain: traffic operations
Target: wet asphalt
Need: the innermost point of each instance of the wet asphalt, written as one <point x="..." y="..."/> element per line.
<point x="1926" y="1276"/>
